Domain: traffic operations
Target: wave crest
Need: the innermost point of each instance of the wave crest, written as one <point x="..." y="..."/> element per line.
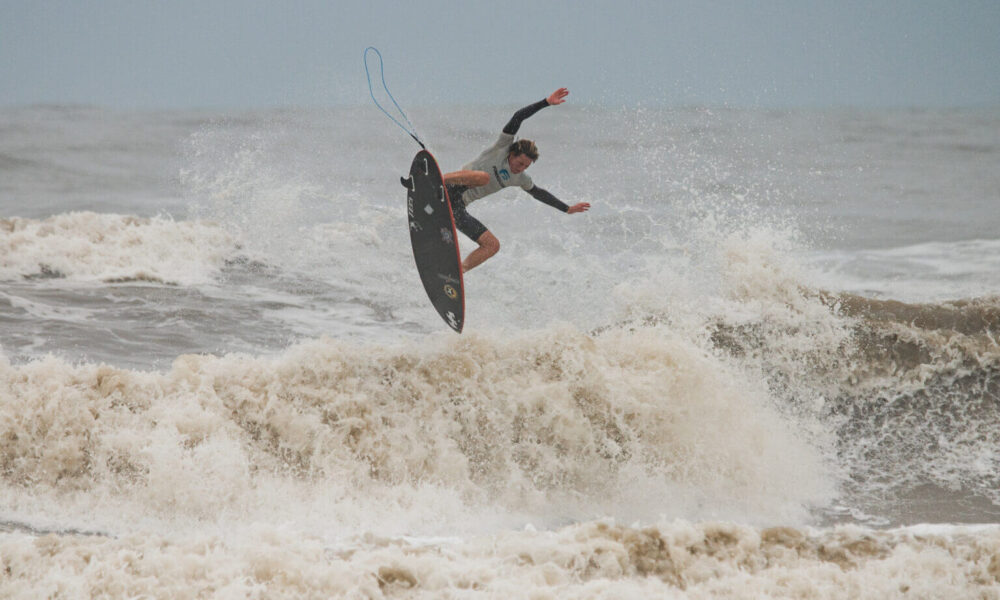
<point x="87" y="246"/>
<point x="624" y="418"/>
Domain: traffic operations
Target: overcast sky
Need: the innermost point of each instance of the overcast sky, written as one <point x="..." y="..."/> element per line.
<point x="256" y="53"/>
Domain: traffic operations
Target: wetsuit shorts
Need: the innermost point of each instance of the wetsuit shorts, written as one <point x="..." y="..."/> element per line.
<point x="464" y="222"/>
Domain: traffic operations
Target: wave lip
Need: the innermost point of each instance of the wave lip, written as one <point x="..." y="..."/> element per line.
<point x="112" y="248"/>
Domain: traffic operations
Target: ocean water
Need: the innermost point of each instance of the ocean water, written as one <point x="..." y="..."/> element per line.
<point x="765" y="364"/>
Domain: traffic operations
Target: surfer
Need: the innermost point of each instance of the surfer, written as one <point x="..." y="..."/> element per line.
<point x="499" y="166"/>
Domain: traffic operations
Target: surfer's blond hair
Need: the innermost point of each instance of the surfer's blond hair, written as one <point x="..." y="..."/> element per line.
<point x="525" y="147"/>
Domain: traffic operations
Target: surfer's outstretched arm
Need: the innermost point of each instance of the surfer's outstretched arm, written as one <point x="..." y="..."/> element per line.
<point x="556" y="97"/>
<point x="546" y="197"/>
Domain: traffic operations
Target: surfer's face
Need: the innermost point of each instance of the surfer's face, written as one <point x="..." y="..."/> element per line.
<point x="518" y="162"/>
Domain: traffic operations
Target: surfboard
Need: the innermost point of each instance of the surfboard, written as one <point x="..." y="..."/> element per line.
<point x="434" y="239"/>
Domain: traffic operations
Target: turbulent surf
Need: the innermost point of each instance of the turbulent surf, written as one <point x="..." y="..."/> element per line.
<point x="740" y="375"/>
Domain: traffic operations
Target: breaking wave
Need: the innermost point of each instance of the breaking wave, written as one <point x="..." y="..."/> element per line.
<point x="87" y="246"/>
<point x="618" y="421"/>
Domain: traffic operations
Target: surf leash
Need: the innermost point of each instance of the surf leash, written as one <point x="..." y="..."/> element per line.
<point x="412" y="131"/>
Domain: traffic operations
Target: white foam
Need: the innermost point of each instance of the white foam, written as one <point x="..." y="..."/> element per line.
<point x="87" y="246"/>
<point x="597" y="559"/>
<point x="552" y="426"/>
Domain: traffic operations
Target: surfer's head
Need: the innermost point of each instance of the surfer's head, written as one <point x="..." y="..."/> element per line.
<point x="521" y="154"/>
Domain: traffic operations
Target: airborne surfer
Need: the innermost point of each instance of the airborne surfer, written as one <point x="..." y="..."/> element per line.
<point x="432" y="231"/>
<point x="501" y="165"/>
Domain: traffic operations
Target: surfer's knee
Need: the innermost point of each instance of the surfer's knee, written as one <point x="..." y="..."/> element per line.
<point x="489" y="243"/>
<point x="492" y="247"/>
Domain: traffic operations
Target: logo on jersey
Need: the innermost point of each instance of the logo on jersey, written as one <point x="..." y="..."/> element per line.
<point x="502" y="176"/>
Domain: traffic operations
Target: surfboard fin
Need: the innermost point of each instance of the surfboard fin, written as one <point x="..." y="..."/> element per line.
<point x="407" y="182"/>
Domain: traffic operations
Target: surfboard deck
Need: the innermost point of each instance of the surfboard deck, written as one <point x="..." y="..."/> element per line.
<point x="434" y="239"/>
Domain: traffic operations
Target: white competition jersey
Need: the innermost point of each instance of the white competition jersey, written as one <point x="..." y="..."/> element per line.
<point x="493" y="161"/>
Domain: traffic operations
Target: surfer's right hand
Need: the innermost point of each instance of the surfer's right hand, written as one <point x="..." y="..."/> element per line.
<point x="557" y="97"/>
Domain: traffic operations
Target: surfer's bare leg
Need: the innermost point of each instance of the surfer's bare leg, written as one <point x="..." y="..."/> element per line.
<point x="466" y="178"/>
<point x="488" y="246"/>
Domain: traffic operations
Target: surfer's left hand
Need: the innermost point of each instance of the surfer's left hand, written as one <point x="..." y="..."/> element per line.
<point x="557" y="97"/>
<point x="578" y="208"/>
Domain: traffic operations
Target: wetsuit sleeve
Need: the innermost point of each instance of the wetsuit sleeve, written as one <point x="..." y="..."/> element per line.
<point x="545" y="197"/>
<point x="515" y="122"/>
